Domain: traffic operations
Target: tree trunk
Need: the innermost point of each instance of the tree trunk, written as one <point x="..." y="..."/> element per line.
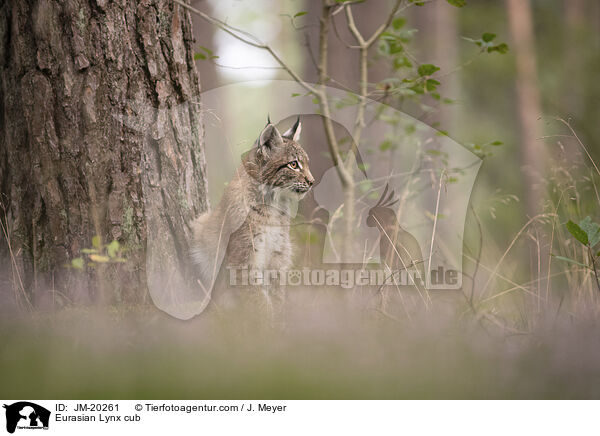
<point x="100" y="136"/>
<point x="528" y="99"/>
<point x="575" y="20"/>
<point x="447" y="57"/>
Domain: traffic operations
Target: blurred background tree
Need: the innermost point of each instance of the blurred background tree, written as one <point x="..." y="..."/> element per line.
<point x="481" y="100"/>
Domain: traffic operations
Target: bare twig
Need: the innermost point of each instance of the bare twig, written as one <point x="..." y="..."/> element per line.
<point x="332" y="142"/>
<point x="249" y="39"/>
<point x="311" y="55"/>
<point x="375" y="36"/>
<point x="335" y="29"/>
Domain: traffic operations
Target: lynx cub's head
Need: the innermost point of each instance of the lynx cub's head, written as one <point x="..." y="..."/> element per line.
<point x="279" y="162"/>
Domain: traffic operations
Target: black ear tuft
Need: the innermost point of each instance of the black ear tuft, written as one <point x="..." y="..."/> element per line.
<point x="293" y="132"/>
<point x="269" y="138"/>
<point x="269" y="119"/>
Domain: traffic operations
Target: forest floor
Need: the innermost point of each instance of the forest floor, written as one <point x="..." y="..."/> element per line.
<point x="328" y="348"/>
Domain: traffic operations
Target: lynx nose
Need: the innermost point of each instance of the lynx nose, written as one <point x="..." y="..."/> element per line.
<point x="310" y="179"/>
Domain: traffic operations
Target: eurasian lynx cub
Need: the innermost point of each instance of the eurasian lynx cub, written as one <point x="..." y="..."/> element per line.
<point x="250" y="225"/>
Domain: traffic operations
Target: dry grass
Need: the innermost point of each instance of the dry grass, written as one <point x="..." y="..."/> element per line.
<point x="525" y="325"/>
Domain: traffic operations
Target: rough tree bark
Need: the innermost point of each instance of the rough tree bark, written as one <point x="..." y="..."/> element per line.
<point x="100" y="134"/>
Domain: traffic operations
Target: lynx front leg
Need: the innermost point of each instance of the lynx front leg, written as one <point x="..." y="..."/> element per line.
<point x="274" y="296"/>
<point x="267" y="299"/>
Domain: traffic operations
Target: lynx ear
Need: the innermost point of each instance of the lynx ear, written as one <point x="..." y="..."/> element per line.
<point x="269" y="138"/>
<point x="293" y="132"/>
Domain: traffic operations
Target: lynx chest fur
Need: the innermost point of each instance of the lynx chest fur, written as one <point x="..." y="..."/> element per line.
<point x="263" y="240"/>
<point x="250" y="225"/>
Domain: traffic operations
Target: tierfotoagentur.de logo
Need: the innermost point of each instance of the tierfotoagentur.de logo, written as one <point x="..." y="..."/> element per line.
<point x="24" y="415"/>
<point x="386" y="210"/>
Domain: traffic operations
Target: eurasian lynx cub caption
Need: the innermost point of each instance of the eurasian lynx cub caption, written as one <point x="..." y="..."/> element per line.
<point x="250" y="225"/>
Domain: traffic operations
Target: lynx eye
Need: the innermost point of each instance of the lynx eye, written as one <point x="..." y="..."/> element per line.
<point x="294" y="165"/>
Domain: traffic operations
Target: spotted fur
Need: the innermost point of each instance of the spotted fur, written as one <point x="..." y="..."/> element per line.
<point x="250" y="225"/>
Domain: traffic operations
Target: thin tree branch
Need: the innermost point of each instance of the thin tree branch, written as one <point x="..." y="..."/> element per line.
<point x="339" y="37"/>
<point x="363" y="58"/>
<point x="385" y="25"/>
<point x="332" y="143"/>
<point x="249" y="39"/>
<point x="311" y="55"/>
<point x="352" y="26"/>
<point x="375" y="36"/>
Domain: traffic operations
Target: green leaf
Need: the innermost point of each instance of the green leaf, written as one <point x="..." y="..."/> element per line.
<point x="96" y="241"/>
<point x="206" y="49"/>
<point x="394" y="47"/>
<point x="427" y="69"/>
<point x="113" y="248"/>
<point x="457" y="3"/>
<point x="488" y="37"/>
<point x="199" y="56"/>
<point x="577" y="232"/>
<point x="566" y="259"/>
<point x="402" y="62"/>
<point x="89" y="251"/>
<point x="500" y="48"/>
<point x="363" y="166"/>
<point x="418" y="88"/>
<point x="591" y="229"/>
<point x="398" y="22"/>
<point x="497" y="143"/>
<point x="385" y="145"/>
<point x="299" y="14"/>
<point x="295" y="94"/>
<point x="77" y="263"/>
<point x="99" y="258"/>
<point x="431" y="84"/>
